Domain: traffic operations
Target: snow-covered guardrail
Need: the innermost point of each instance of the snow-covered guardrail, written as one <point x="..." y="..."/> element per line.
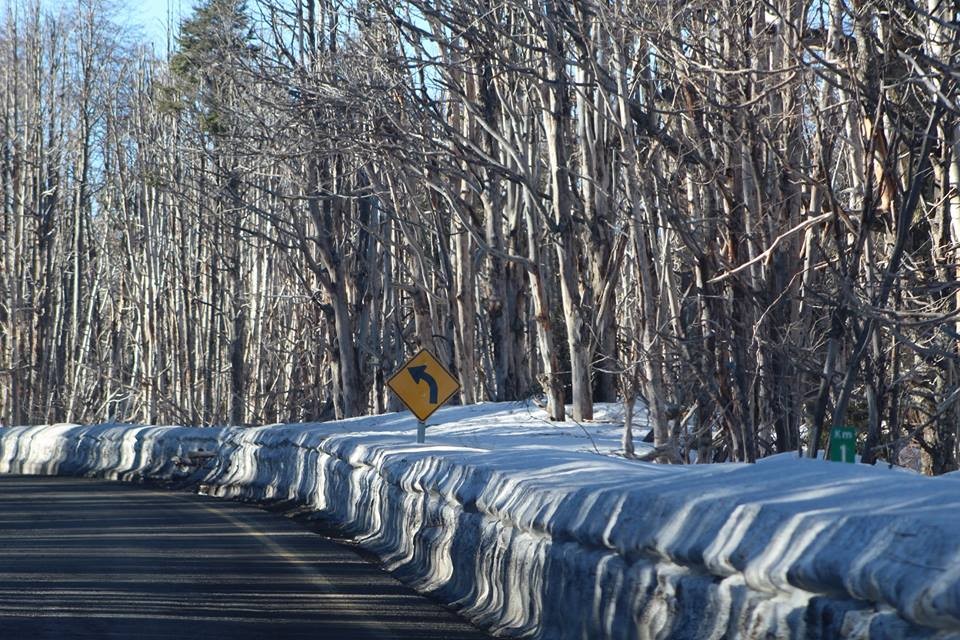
<point x="523" y="528"/>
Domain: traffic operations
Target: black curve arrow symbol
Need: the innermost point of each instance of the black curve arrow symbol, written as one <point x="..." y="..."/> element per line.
<point x="420" y="374"/>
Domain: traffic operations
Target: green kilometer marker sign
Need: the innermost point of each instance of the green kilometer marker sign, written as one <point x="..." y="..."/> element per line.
<point x="843" y="444"/>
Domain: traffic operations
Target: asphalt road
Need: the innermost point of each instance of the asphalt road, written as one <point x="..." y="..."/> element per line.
<point x="92" y="559"/>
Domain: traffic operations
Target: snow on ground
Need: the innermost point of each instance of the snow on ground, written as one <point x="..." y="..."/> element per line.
<point x="494" y="426"/>
<point x="535" y="529"/>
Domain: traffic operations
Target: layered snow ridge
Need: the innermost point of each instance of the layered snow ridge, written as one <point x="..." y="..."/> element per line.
<point x="532" y="529"/>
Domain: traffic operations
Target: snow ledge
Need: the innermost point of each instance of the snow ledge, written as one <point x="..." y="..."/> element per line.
<point x="542" y="541"/>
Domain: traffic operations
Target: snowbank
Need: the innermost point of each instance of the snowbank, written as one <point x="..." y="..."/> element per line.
<point x="529" y="529"/>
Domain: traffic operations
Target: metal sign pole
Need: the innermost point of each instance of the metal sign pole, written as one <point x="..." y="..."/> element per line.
<point x="421" y="431"/>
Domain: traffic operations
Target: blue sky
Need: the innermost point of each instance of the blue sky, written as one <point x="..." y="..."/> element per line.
<point x="151" y="17"/>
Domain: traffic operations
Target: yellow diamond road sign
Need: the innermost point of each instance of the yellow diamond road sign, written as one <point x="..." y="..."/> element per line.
<point x="423" y="384"/>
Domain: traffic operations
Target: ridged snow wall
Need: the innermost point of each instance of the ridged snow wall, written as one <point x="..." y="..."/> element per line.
<point x="557" y="545"/>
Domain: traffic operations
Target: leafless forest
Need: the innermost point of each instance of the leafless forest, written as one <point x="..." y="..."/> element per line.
<point x="743" y="214"/>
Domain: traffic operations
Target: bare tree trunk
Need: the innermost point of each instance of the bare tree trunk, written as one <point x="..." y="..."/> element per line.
<point x="556" y="115"/>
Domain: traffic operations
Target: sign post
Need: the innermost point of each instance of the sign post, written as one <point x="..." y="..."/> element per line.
<point x="843" y="444"/>
<point x="423" y="386"/>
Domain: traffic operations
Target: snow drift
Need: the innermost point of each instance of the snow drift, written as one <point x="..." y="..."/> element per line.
<point x="529" y="530"/>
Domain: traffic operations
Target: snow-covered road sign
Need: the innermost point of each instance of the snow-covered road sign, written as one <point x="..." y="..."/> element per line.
<point x="423" y="384"/>
<point x="843" y="444"/>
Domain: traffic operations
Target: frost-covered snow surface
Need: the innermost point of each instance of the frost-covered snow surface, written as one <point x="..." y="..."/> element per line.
<point x="533" y="529"/>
